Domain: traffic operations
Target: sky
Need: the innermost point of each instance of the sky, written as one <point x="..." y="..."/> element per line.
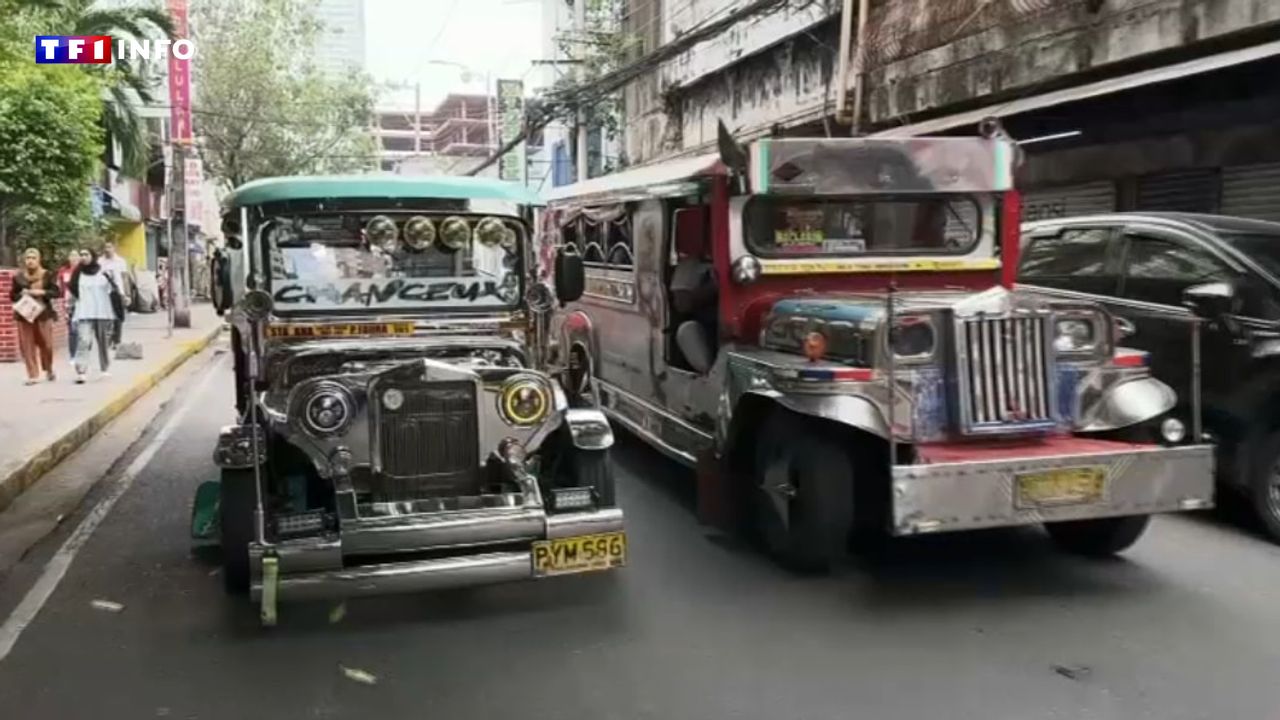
<point x="499" y="37"/>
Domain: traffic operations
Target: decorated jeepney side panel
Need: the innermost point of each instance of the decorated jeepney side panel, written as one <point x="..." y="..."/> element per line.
<point x="621" y="316"/>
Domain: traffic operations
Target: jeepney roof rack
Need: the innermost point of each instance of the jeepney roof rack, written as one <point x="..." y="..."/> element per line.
<point x="284" y="189"/>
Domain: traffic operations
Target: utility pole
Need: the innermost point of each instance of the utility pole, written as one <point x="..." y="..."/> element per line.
<point x="580" y="126"/>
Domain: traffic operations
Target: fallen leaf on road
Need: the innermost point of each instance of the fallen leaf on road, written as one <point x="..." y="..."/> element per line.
<point x="338" y="612"/>
<point x="359" y="675"/>
<point x="107" y="605"/>
<point x="1073" y="672"/>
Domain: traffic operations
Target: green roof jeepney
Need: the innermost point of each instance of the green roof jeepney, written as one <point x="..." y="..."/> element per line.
<point x="395" y="432"/>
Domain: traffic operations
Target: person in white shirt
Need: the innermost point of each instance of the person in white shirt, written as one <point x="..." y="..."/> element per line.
<point x="118" y="268"/>
<point x="92" y="286"/>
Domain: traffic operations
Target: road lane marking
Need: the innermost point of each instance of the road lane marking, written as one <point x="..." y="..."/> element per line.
<point x="57" y="567"/>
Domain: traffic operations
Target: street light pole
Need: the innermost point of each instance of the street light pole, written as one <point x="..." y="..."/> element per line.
<point x="417" y="118"/>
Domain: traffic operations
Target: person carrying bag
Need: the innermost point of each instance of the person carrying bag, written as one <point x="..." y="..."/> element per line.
<point x="32" y="295"/>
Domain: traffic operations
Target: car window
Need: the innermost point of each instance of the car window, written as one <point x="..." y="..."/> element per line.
<point x="1152" y="258"/>
<point x="1074" y="252"/>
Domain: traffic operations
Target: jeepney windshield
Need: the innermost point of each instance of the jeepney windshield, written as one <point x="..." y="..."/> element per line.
<point x="325" y="263"/>
<point x="843" y="227"/>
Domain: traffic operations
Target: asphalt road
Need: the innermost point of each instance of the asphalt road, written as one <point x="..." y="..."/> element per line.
<point x="986" y="626"/>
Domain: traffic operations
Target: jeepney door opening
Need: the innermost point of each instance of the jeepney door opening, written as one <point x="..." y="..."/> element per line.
<point x="692" y="329"/>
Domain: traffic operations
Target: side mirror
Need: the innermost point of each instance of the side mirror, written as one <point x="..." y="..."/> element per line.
<point x="1211" y="300"/>
<point x="571" y="278"/>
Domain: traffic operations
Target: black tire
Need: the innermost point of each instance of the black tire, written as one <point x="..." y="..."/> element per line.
<point x="818" y="499"/>
<point x="593" y="469"/>
<point x="237" y="502"/>
<point x="1264" y="485"/>
<point x="1098" y="538"/>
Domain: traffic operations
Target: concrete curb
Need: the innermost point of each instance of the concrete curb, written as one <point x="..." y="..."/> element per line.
<point x="45" y="459"/>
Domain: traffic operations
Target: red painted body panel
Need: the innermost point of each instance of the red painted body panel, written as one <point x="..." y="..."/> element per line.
<point x="1010" y="237"/>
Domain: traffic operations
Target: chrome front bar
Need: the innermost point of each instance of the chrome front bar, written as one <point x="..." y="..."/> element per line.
<point x="328" y="567"/>
<point x="1139" y="480"/>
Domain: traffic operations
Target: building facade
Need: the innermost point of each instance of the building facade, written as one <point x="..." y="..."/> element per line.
<point x="456" y="135"/>
<point x="1119" y="104"/>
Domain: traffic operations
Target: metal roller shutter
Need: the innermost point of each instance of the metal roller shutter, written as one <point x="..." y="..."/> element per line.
<point x="1068" y="200"/>
<point x="1252" y="191"/>
<point x="1182" y="191"/>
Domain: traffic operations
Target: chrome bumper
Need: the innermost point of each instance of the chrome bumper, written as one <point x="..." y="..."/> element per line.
<point x="969" y="495"/>
<point x="329" y="567"/>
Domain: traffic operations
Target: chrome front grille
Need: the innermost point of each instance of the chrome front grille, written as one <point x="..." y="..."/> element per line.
<point x="1006" y="375"/>
<point x="429" y="445"/>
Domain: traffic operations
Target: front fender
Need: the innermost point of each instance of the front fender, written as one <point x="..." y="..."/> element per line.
<point x="589" y="429"/>
<point x="236" y="447"/>
<point x="1128" y="403"/>
<point x="852" y="410"/>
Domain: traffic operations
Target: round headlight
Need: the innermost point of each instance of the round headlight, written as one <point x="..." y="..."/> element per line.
<point x="392" y="399"/>
<point x="746" y="270"/>
<point x="382" y="231"/>
<point x="509" y="238"/>
<point x="524" y="401"/>
<point x="257" y="305"/>
<point x="490" y="231"/>
<point x="455" y="233"/>
<point x="912" y="338"/>
<point x="419" y="233"/>
<point x="1074" y="335"/>
<point x="327" y="411"/>
<point x="1173" y="431"/>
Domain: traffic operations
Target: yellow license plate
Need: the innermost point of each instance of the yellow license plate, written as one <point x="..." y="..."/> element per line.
<point x="584" y="553"/>
<point x="1065" y="486"/>
<point x="339" y="330"/>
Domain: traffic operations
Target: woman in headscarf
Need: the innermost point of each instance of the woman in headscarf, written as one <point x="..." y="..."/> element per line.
<point x="35" y="335"/>
<point x="95" y="314"/>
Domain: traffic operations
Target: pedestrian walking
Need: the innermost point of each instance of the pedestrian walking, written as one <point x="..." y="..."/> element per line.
<point x="118" y="269"/>
<point x="98" y="307"/>
<point x="64" y="282"/>
<point x="32" y="294"/>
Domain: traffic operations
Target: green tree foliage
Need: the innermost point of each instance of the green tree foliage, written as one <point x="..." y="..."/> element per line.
<point x="125" y="83"/>
<point x="599" y="48"/>
<point x="51" y="140"/>
<point x="262" y="106"/>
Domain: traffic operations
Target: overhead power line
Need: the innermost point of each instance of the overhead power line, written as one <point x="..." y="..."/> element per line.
<point x="605" y="84"/>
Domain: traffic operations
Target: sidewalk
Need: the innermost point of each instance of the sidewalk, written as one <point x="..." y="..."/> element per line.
<point x="48" y="421"/>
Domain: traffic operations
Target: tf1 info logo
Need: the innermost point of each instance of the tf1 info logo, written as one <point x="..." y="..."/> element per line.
<point x="98" y="49"/>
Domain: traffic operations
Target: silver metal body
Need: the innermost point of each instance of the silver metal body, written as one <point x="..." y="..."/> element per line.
<point x="429" y="483"/>
<point x="994" y="375"/>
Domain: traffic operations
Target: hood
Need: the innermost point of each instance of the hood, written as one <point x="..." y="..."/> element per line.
<point x="863" y="308"/>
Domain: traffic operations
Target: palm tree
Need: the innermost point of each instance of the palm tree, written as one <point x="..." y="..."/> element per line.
<point x="125" y="82"/>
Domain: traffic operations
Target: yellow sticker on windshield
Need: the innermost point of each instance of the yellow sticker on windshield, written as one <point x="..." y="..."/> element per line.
<point x="339" y="330"/>
<point x="805" y="267"/>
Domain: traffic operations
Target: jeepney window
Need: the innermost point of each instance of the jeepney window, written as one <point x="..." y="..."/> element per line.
<point x="785" y="227"/>
<point x="326" y="263"/>
<point x="606" y="238"/>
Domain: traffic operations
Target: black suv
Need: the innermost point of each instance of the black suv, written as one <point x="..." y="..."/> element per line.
<point x="1156" y="272"/>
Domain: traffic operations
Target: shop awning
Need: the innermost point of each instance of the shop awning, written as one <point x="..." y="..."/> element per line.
<point x="106" y="204"/>
<point x="1090" y="90"/>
